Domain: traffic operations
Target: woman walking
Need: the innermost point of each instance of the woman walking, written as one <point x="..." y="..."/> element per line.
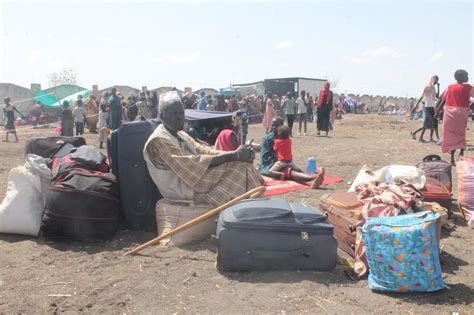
<point x="456" y="111"/>
<point x="324" y="110"/>
<point x="429" y="96"/>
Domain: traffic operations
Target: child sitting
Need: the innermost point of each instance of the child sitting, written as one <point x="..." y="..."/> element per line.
<point x="285" y="168"/>
<point x="282" y="148"/>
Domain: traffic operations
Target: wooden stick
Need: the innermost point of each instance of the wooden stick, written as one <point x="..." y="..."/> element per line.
<point x="250" y="194"/>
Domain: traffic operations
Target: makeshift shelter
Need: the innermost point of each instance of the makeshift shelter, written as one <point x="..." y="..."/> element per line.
<point x="51" y="100"/>
<point x="206" y="125"/>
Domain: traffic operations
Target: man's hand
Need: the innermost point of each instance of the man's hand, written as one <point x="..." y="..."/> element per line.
<point x="245" y="153"/>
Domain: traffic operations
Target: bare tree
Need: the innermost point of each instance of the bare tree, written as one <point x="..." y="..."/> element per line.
<point x="66" y="76"/>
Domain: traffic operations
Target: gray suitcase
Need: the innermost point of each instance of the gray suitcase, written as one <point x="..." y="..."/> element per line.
<point x="273" y="234"/>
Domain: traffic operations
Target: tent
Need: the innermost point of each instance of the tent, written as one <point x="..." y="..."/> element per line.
<point x="206" y="125"/>
<point x="349" y="101"/>
<point x="46" y="99"/>
<point x="71" y="99"/>
<point x="192" y="114"/>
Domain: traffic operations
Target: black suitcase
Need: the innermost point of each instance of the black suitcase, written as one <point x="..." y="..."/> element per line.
<point x="47" y="146"/>
<point x="272" y="234"/>
<point x="138" y="193"/>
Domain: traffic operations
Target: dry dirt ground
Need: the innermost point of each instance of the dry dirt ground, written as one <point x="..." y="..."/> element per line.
<point x="95" y="277"/>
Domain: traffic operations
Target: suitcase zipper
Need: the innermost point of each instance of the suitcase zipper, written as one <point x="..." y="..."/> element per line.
<point x="52" y="214"/>
<point x="55" y="188"/>
<point x="280" y="227"/>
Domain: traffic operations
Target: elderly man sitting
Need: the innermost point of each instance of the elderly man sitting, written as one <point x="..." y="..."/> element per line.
<point x="187" y="172"/>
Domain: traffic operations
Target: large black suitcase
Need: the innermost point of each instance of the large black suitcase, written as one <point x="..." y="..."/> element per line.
<point x="138" y="193"/>
<point x="47" y="146"/>
<point x="272" y="234"/>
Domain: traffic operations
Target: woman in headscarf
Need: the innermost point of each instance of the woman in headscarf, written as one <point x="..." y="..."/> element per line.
<point x="270" y="113"/>
<point x="456" y="111"/>
<point x="227" y="140"/>
<point x="324" y="110"/>
<point x="430" y="122"/>
<point x="92" y="113"/>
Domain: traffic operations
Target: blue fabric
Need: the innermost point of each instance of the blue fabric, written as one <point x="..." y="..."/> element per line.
<point x="268" y="157"/>
<point x="203" y="103"/>
<point x="402" y="253"/>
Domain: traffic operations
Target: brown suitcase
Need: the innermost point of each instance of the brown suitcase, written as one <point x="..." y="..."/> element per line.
<point x="435" y="191"/>
<point x="342" y="209"/>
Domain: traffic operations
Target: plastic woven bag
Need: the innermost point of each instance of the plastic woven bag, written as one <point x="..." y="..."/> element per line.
<point x="402" y="253"/>
<point x="465" y="169"/>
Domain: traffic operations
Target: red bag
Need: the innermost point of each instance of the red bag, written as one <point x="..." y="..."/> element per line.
<point x="87" y="157"/>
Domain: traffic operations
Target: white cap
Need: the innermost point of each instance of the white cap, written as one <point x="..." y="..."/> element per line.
<point x="169" y="97"/>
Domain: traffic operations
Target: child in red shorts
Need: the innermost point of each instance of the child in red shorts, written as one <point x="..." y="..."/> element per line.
<point x="285" y="168"/>
<point x="282" y="148"/>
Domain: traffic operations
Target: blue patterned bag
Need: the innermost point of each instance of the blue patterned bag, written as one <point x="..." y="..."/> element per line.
<point x="402" y="253"/>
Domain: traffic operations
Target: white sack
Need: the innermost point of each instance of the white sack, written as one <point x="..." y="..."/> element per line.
<point x="22" y="209"/>
<point x="36" y="165"/>
<point x="392" y="174"/>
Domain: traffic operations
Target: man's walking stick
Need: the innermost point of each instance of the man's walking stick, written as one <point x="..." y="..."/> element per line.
<point x="256" y="192"/>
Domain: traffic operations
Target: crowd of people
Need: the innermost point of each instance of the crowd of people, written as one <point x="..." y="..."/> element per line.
<point x="105" y="113"/>
<point x="304" y="109"/>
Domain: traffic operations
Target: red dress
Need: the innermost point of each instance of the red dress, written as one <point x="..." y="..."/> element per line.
<point x="457" y="95"/>
<point x="455" y="116"/>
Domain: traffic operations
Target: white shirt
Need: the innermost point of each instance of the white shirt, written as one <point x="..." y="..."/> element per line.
<point x="301" y="105"/>
<point x="78" y="114"/>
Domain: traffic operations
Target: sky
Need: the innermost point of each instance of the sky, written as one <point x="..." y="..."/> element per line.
<point x="376" y="48"/>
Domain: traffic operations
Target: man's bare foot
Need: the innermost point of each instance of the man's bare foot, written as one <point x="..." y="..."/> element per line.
<point x="319" y="179"/>
<point x="413" y="135"/>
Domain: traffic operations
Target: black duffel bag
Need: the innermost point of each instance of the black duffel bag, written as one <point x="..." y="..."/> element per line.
<point x="47" y="147"/>
<point x="82" y="205"/>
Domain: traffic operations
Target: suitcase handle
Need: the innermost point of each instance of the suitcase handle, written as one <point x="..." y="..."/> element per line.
<point x="431" y="157"/>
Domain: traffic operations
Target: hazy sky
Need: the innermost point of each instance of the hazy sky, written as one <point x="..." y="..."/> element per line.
<point x="388" y="48"/>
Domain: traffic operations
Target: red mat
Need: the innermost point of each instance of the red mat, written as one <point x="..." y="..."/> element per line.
<point x="279" y="187"/>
